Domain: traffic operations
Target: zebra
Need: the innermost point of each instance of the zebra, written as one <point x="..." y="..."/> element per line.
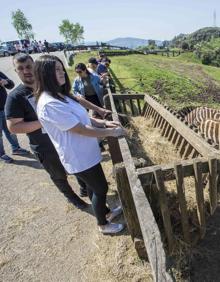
<point x="200" y="114"/>
<point x="185" y="111"/>
<point x="210" y="130"/>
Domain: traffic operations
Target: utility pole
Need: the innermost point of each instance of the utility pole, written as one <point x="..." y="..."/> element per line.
<point x="214" y="18"/>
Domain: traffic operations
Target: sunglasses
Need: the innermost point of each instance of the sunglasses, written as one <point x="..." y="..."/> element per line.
<point x="79" y="71"/>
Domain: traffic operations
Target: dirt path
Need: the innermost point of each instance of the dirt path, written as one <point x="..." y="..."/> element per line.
<point x="43" y="238"/>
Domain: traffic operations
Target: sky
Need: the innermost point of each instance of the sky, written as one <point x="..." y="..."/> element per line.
<point x="106" y="20"/>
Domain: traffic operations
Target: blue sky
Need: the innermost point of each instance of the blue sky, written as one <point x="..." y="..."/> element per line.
<point x="105" y="20"/>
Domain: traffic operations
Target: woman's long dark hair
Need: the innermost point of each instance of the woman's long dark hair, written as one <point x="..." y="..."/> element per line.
<point x="45" y="75"/>
<point x="82" y="67"/>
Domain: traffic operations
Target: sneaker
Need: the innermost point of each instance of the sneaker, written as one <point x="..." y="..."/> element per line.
<point x="111" y="228"/>
<point x="20" y="152"/>
<point x="113" y="213"/>
<point x="5" y="158"/>
<point x="83" y="192"/>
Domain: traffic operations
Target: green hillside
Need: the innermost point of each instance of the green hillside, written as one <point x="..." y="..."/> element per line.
<point x="177" y="81"/>
<point x="202" y="35"/>
<point x="204" y="43"/>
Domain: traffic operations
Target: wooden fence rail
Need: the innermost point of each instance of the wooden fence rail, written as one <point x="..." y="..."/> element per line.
<point x="134" y="183"/>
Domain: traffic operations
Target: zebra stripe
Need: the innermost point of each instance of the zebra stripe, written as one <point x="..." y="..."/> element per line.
<point x="200" y="114"/>
<point x="210" y="129"/>
<point x="185" y="111"/>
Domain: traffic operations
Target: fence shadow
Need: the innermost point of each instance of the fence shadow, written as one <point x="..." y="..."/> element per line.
<point x="31" y="163"/>
<point x="204" y="258"/>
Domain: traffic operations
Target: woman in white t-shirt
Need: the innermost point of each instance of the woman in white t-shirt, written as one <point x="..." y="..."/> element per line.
<point x="74" y="135"/>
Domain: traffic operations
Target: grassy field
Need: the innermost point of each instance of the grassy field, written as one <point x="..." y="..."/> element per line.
<point x="178" y="81"/>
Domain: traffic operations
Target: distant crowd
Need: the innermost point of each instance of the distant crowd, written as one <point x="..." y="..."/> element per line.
<point x="36" y="46"/>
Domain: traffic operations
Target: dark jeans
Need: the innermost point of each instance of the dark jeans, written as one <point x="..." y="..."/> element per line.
<point x="12" y="138"/>
<point x="97" y="188"/>
<point x="53" y="165"/>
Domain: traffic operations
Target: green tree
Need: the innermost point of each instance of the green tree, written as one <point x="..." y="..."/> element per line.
<point x="185" y="45"/>
<point x="151" y="44"/>
<point x="73" y="33"/>
<point x="21" y="24"/>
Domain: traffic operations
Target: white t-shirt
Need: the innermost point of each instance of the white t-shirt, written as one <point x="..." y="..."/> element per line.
<point x="77" y="152"/>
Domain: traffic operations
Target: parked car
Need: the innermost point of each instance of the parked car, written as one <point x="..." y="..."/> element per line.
<point x="52" y="47"/>
<point x="59" y="45"/>
<point x="21" y="43"/>
<point x="69" y="46"/>
<point x="7" y="51"/>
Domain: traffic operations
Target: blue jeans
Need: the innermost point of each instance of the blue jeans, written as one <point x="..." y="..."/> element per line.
<point x="12" y="138"/>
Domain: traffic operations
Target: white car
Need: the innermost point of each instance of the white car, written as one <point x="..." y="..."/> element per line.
<point x="6" y="51"/>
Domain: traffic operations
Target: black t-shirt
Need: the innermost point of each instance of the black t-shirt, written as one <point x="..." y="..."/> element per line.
<point x="20" y="103"/>
<point x="3" y="93"/>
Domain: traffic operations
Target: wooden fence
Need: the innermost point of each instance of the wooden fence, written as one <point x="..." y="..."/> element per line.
<point x="134" y="182"/>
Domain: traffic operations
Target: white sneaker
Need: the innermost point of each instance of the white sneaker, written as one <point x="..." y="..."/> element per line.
<point x="111" y="228"/>
<point x="113" y="213"/>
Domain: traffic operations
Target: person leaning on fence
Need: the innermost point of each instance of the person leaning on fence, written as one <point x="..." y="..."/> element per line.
<point x="21" y="118"/>
<point x="5" y="82"/>
<point x="74" y="135"/>
<point x="88" y="85"/>
<point x="92" y="67"/>
<point x="103" y="71"/>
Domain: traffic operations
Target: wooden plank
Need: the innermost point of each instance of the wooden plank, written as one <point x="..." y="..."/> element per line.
<point x="167" y="131"/>
<point x="178" y="141"/>
<point x="149" y="228"/>
<point x="168" y="169"/>
<point x="199" y="196"/>
<point x="183" y="147"/>
<point x="145" y="107"/>
<point x="139" y="106"/>
<point x="164" y="208"/>
<point x="124" y="107"/>
<point x="171" y="133"/>
<point x="155" y="120"/>
<point x="187" y="151"/>
<point x="119" y="107"/>
<point x="151" y="111"/>
<point x="165" y="128"/>
<point x="127" y="201"/>
<point x="147" y="110"/>
<point x="195" y="141"/>
<point x="131" y="106"/>
<point x="148" y="225"/>
<point x="154" y="114"/>
<point x="213" y="184"/>
<point x="173" y="140"/>
<point x="159" y="121"/>
<point x="182" y="201"/>
<point x="114" y="149"/>
<point x="162" y="123"/>
<point x="127" y="96"/>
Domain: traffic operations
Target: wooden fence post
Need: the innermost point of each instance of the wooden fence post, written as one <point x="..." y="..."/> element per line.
<point x="129" y="209"/>
<point x="182" y="201"/>
<point x="164" y="207"/>
<point x="213" y="184"/>
<point x="199" y="196"/>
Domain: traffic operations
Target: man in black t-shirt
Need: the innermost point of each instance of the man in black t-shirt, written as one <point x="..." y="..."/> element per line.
<point x="22" y="118"/>
<point x="5" y="82"/>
